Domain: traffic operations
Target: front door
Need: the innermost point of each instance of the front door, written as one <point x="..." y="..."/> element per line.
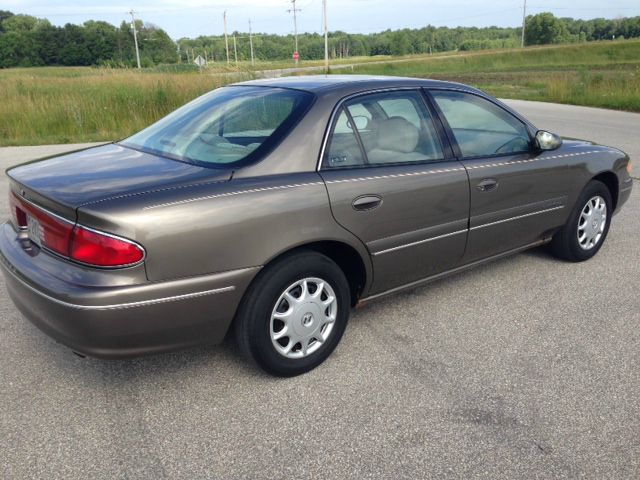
<point x="392" y="182"/>
<point x="517" y="194"/>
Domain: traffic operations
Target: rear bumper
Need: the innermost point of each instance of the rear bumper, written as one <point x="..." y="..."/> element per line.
<point x="119" y="321"/>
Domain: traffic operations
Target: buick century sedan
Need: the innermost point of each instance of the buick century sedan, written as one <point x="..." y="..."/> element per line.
<point x="273" y="207"/>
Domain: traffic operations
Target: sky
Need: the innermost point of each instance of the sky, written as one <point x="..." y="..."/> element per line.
<point x="191" y="18"/>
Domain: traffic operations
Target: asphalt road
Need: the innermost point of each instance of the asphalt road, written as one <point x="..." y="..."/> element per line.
<point x="524" y="368"/>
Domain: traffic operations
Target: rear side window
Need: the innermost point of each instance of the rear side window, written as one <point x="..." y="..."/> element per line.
<point x="480" y="127"/>
<point x="344" y="150"/>
<point x="383" y="129"/>
<point x="227" y="127"/>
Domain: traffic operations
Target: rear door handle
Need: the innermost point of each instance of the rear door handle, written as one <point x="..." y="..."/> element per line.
<point x="367" y="202"/>
<point x="487" y="184"/>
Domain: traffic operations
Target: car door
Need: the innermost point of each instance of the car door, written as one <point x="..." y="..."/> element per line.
<point x="392" y="181"/>
<point x="517" y="193"/>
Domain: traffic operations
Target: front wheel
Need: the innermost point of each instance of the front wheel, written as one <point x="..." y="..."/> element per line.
<point x="294" y="314"/>
<point x="587" y="227"/>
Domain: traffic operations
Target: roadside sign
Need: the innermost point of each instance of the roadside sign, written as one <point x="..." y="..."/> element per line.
<point x="296" y="56"/>
<point x="200" y="61"/>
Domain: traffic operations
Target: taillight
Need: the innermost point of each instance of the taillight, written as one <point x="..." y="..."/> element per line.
<point x="629" y="167"/>
<point x="70" y="240"/>
<point x="103" y="250"/>
<point x="44" y="229"/>
<point x="18" y="216"/>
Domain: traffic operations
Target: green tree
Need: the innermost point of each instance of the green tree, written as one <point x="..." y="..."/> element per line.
<point x="100" y="39"/>
<point x="4" y="14"/>
<point x="18" y="50"/>
<point x="75" y="50"/>
<point x="48" y="43"/>
<point x="400" y="43"/>
<point x="20" y="23"/>
<point x="545" y="28"/>
<point x="155" y="45"/>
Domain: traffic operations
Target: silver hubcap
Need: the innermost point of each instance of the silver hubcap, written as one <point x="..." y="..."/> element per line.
<point x="303" y="317"/>
<point x="592" y="222"/>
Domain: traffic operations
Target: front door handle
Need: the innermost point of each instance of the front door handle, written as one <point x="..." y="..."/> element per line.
<point x="367" y="202"/>
<point x="487" y="184"/>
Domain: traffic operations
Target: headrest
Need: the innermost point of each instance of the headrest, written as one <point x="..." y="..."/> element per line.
<point x="398" y="134"/>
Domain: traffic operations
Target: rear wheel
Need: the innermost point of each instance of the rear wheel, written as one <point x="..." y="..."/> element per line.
<point x="587" y="227"/>
<point x="294" y="314"/>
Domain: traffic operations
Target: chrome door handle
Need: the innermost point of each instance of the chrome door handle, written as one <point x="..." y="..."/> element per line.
<point x="367" y="202"/>
<point x="487" y="184"/>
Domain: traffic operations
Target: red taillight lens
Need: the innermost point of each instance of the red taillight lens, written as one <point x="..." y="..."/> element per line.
<point x="52" y="232"/>
<point x="70" y="240"/>
<point x="94" y="248"/>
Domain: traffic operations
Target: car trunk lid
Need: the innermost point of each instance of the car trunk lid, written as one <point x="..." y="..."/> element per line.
<point x="63" y="183"/>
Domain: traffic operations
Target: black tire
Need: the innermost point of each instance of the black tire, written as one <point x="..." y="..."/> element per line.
<point x="253" y="320"/>
<point x="565" y="244"/>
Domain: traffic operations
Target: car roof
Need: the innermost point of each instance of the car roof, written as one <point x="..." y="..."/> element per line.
<point x="350" y="83"/>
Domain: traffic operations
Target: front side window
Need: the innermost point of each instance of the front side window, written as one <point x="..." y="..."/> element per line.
<point x="480" y="127"/>
<point x="228" y="126"/>
<point x="391" y="128"/>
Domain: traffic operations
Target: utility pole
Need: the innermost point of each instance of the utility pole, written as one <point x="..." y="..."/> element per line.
<point x="235" y="49"/>
<point x="295" y="28"/>
<point x="524" y="21"/>
<point x="226" y="40"/>
<point x="135" y="36"/>
<point x="251" y="43"/>
<point x="326" y="37"/>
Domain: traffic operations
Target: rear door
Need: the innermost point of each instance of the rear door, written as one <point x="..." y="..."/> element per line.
<point x="393" y="182"/>
<point x="517" y="193"/>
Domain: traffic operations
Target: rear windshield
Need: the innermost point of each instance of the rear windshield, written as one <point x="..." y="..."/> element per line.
<point x="226" y="127"/>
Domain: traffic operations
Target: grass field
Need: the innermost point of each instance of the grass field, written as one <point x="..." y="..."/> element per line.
<point x="603" y="74"/>
<point x="65" y="105"/>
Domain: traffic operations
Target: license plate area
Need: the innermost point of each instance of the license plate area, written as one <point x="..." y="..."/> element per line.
<point x="34" y="230"/>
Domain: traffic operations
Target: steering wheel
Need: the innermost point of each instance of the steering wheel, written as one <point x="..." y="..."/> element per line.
<point x="516" y="144"/>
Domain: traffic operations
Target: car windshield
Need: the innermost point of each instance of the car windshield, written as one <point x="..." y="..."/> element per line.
<point x="226" y="127"/>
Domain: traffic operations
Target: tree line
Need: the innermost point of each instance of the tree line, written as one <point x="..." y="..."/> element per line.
<point x="29" y="41"/>
<point x="543" y="28"/>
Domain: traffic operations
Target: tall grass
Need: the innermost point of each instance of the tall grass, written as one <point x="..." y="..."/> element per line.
<point x="58" y="105"/>
<point x="61" y="105"/>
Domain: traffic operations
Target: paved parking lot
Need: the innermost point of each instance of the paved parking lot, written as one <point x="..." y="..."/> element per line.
<point x="524" y="368"/>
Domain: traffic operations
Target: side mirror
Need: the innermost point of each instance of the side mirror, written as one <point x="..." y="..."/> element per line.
<point x="361" y="122"/>
<point x="547" y="140"/>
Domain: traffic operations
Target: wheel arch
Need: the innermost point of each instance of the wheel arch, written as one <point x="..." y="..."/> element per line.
<point x="611" y="181"/>
<point x="346" y="256"/>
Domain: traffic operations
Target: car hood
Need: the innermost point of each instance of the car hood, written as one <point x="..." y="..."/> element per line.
<point x="105" y="172"/>
<point x="576" y="142"/>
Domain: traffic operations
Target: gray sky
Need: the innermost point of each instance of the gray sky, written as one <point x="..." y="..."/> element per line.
<point x="190" y="18"/>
